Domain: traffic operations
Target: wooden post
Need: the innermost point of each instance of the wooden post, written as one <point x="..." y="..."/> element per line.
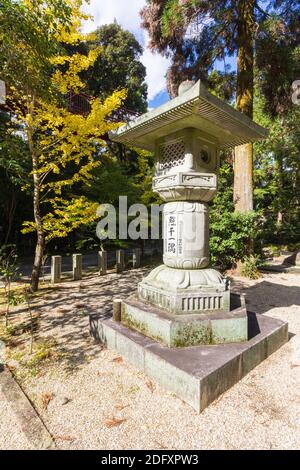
<point x="243" y="300"/>
<point x="55" y="269"/>
<point x="2" y="355"/>
<point x="77" y="267"/>
<point x="120" y="260"/>
<point x="117" y="308"/>
<point x="102" y="262"/>
<point x="136" y="258"/>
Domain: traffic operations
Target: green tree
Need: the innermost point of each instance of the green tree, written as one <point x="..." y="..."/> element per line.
<point x="113" y="179"/>
<point x="277" y="176"/>
<point x="14" y="173"/>
<point x="277" y="159"/>
<point x="118" y="66"/>
<point x="280" y="66"/>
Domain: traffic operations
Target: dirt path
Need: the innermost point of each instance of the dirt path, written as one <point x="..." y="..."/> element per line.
<point x="98" y="401"/>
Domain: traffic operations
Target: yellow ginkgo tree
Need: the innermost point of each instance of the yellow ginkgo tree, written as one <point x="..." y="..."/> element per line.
<point x="65" y="147"/>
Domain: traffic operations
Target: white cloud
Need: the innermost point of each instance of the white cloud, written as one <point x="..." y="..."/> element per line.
<point x="156" y="66"/>
<point x="127" y="15"/>
<point x="125" y="12"/>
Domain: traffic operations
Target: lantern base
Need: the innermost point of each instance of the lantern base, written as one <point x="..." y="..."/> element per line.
<point x="177" y="331"/>
<point x="186" y="291"/>
<point x="197" y="375"/>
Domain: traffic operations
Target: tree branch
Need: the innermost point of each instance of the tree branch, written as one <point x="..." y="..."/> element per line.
<point x="262" y="11"/>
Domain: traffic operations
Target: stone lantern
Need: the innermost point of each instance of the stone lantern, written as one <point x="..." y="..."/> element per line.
<point x="184" y="328"/>
<point x="186" y="179"/>
<point x="192" y="300"/>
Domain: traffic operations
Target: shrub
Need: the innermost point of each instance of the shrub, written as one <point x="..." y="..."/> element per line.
<point x="232" y="237"/>
<point x="249" y="268"/>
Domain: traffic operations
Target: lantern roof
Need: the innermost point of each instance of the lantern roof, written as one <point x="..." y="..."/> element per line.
<point x="195" y="107"/>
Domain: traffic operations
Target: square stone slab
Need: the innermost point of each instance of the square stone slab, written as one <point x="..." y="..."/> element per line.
<point x="200" y="374"/>
<point x="186" y="330"/>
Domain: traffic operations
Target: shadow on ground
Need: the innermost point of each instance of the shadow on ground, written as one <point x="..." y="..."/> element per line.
<point x="266" y="295"/>
<point x="64" y="310"/>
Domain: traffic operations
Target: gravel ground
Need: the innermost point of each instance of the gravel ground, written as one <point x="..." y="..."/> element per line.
<point x="92" y="388"/>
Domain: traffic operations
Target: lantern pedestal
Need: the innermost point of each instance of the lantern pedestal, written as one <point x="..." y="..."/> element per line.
<point x="187" y="329"/>
<point x="186" y="291"/>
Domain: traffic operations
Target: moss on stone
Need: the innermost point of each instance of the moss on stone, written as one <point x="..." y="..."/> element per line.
<point x="188" y="335"/>
<point x="128" y="321"/>
<point x="135" y="325"/>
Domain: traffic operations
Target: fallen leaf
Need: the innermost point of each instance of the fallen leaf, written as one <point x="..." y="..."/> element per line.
<point x="112" y="422"/>
<point x="118" y="359"/>
<point x="121" y="407"/>
<point x="150" y="385"/>
<point x="46" y="398"/>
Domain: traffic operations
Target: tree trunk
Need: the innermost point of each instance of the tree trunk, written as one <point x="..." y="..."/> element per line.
<point x="243" y="178"/>
<point x="280" y="196"/>
<point x="10" y="216"/>
<point x="278" y="166"/>
<point x="38" y="260"/>
<point x="243" y="164"/>
<point x="40" y="242"/>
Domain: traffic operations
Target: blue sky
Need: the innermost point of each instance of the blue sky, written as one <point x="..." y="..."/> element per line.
<point x="127" y="15"/>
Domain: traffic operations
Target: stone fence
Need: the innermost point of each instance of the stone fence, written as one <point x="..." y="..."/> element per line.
<point x="123" y="260"/>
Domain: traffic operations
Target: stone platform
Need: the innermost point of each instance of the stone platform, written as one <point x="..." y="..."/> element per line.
<point x="208" y="327"/>
<point x="200" y="374"/>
